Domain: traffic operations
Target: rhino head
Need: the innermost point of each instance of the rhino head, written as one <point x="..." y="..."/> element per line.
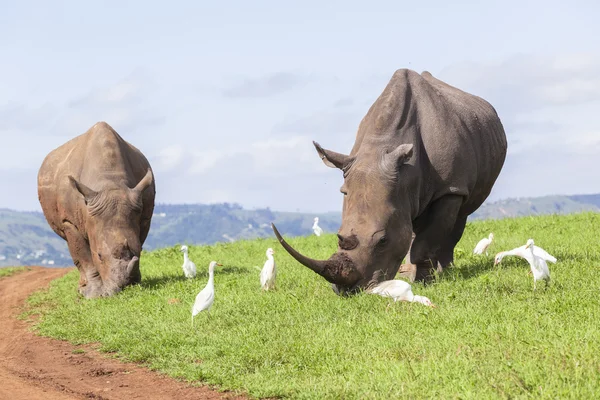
<point x="112" y="225"/>
<point x="376" y="229"/>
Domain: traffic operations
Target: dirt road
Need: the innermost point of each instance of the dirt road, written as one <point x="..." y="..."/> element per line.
<point x="33" y="367"/>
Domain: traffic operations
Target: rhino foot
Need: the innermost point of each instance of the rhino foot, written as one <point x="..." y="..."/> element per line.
<point x="425" y="271"/>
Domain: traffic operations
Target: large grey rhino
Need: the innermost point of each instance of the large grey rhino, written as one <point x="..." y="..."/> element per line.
<point x="97" y="192"/>
<point x="426" y="156"/>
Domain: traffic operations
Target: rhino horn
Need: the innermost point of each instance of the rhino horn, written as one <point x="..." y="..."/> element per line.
<point x="338" y="269"/>
<point x="331" y="158"/>
<point x="132" y="264"/>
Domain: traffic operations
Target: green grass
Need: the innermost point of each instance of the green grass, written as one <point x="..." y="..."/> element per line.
<point x="491" y="335"/>
<point x="8" y="271"/>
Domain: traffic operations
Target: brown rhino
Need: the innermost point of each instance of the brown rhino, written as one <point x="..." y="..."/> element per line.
<point x="426" y="156"/>
<point x="97" y="192"/>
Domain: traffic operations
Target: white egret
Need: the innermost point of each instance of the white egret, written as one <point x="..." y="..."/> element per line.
<point x="399" y="291"/>
<point x="316" y="228"/>
<point x="483" y="245"/>
<point x="206" y="297"/>
<point x="268" y="272"/>
<point x="525" y="253"/>
<point x="538" y="265"/>
<point x="189" y="268"/>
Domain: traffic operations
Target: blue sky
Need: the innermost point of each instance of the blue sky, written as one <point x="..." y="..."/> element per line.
<point x="225" y="99"/>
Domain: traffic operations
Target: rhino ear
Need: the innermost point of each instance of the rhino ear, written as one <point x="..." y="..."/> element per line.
<point x="87" y="193"/>
<point x="400" y="155"/>
<point x="145" y="182"/>
<point x="331" y="158"/>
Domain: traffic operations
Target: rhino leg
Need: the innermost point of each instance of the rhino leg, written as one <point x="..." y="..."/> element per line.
<point x="432" y="232"/>
<point x="446" y="254"/>
<point x="90" y="283"/>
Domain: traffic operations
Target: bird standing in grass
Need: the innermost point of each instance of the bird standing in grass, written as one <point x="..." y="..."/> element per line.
<point x="525" y="253"/>
<point x="539" y="267"/>
<point x="268" y="272"/>
<point x="483" y="245"/>
<point x="399" y="291"/>
<point x="206" y="297"/>
<point x="189" y="268"/>
<point x="316" y="228"/>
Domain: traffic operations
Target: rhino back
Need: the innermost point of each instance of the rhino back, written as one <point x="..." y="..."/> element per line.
<point x="464" y="138"/>
<point x="459" y="140"/>
<point x="100" y="158"/>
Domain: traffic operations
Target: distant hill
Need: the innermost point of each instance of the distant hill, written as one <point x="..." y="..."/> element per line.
<point x="538" y="206"/>
<point x="26" y="238"/>
<point x="199" y="223"/>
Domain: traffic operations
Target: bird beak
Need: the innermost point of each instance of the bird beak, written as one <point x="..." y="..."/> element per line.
<point x="220" y="265"/>
<point x="433" y="306"/>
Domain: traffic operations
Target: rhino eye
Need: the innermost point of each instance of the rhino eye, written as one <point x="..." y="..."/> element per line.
<point x="382" y="241"/>
<point x="343" y="191"/>
<point x="99" y="256"/>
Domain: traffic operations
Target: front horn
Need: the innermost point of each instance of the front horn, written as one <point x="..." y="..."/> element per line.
<point x="338" y="269"/>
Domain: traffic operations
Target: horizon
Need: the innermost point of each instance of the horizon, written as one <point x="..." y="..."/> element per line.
<point x="329" y="211"/>
<point x="225" y="105"/>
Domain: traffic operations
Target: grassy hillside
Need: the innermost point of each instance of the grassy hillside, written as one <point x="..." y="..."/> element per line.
<point x="26" y="238"/>
<point x="537" y="206"/>
<point x="208" y="224"/>
<point x="6" y="272"/>
<point x="491" y="335"/>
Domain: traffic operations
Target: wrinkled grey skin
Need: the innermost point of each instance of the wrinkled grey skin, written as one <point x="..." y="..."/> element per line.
<point x="426" y="156"/>
<point x="97" y="192"/>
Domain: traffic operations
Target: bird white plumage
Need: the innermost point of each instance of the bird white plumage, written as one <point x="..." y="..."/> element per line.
<point x="538" y="265"/>
<point x="206" y="297"/>
<point x="269" y="271"/>
<point x="483" y="245"/>
<point x="399" y="291"/>
<point x="525" y="253"/>
<point x="316" y="228"/>
<point x="189" y="268"/>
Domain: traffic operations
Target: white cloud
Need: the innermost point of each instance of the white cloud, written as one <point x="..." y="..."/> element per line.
<point x="211" y="149"/>
<point x="204" y="161"/>
<point x="586" y="143"/>
<point x="170" y="157"/>
<point x="548" y="106"/>
<point x="217" y="196"/>
<point x="269" y="157"/>
<point x="529" y="82"/>
<point x="125" y="105"/>
<point x="571" y="90"/>
<point x="266" y="86"/>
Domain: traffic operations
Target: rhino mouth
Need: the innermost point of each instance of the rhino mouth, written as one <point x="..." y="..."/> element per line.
<point x="345" y="291"/>
<point x="98" y="287"/>
<point x="339" y="269"/>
